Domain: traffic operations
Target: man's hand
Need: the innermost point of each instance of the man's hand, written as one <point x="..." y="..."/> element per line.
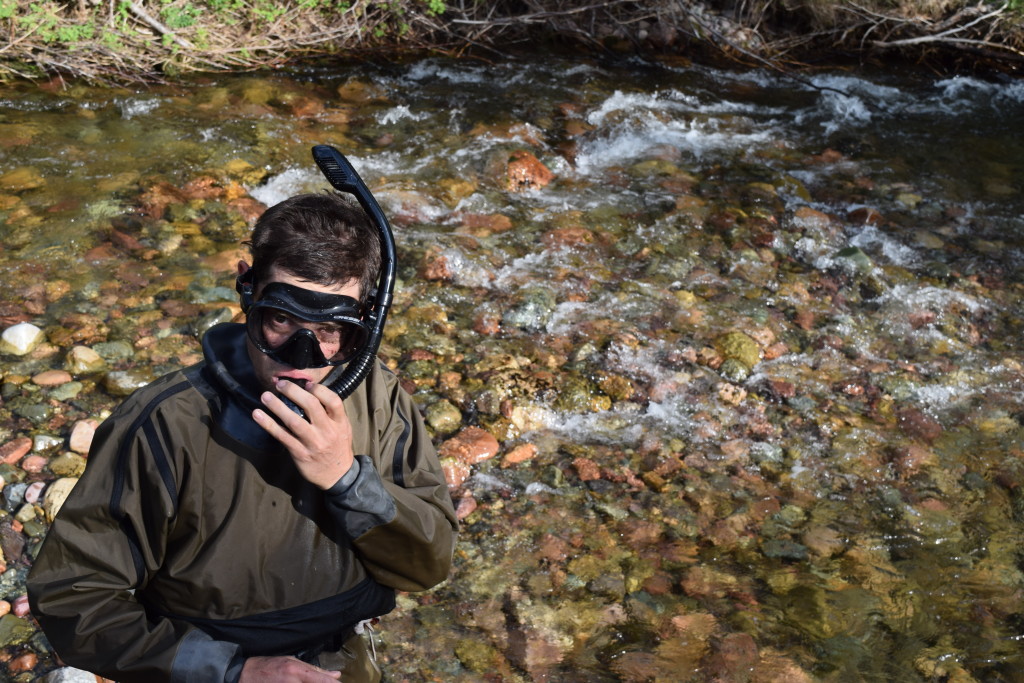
<point x="321" y="444"/>
<point x="284" y="670"/>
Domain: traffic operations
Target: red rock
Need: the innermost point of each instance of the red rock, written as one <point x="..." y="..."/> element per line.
<point x="910" y="459"/>
<point x="21" y="663"/>
<point x="465" y="507"/>
<point x="203" y="187"/>
<point x="804" y="319"/>
<point x="521" y="453"/>
<point x="51" y="378"/>
<point x="81" y="436"/>
<point x="125" y="241"/>
<point x="471" y="446"/>
<point x="776" y="350"/>
<point x="575" y="236"/>
<point x="916" y="424"/>
<point x="526" y="172"/>
<point x="13" y="451"/>
<point x="587" y="469"/>
<point x="455" y="472"/>
<point x="658" y="584"/>
<point x="487" y="323"/>
<point x="553" y="549"/>
<point x="486" y="222"/>
<point x="733" y="658"/>
<point x="154" y="201"/>
<point x="436" y="266"/>
<point x="919" y="319"/>
<point x="20" y="606"/>
<point x="249" y="208"/>
<point x="34" y="491"/>
<point x="865" y="216"/>
<point x="34" y="464"/>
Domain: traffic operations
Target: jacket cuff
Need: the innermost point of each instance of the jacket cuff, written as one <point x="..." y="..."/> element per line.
<point x="201" y="658"/>
<point x="347" y="479"/>
<point x="361" y="503"/>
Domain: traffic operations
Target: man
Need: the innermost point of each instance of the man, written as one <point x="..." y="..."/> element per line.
<point x="239" y="520"/>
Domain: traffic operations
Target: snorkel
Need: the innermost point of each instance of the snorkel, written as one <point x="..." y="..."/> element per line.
<point x="340" y="174"/>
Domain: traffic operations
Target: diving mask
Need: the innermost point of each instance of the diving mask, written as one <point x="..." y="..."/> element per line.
<point x="302" y="328"/>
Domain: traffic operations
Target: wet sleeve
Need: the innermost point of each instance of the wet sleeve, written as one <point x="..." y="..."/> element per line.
<point x="107" y="541"/>
<point x="397" y="509"/>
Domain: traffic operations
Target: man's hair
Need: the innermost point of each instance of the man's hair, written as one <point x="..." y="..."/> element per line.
<point x="321" y="238"/>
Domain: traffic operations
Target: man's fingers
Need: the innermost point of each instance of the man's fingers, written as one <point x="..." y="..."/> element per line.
<point x="299" y="396"/>
<point x="265" y="420"/>
<point x="328" y="398"/>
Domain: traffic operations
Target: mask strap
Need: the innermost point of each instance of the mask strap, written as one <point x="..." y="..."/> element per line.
<point x="244" y="286"/>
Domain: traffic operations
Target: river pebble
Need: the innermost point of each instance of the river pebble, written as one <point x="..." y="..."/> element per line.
<point x="70" y="675"/>
<point x="471" y="446"/>
<point x="13" y="451"/>
<point x="21" y="339"/>
<point x="34" y="464"/>
<point x="82" y="433"/>
<point x="81" y="360"/>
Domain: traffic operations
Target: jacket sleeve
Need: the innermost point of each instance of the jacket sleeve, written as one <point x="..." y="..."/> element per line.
<point x="396" y="508"/>
<point x="107" y="541"/>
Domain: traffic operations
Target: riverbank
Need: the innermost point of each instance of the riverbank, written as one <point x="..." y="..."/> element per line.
<point x="151" y="40"/>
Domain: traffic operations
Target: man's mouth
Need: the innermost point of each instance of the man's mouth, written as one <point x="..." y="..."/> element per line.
<point x="297" y="379"/>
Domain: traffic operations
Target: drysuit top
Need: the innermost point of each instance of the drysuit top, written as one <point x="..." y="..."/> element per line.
<point x="192" y="542"/>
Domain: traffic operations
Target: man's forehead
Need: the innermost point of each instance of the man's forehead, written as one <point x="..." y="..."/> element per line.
<point x="277" y="274"/>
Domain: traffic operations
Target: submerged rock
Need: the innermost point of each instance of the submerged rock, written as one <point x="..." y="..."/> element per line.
<point x="21" y="339"/>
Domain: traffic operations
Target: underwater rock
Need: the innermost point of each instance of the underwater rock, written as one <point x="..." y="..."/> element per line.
<point x="124" y="382"/>
<point x="465" y="507"/>
<point x="21" y="179"/>
<point x="472" y="445"/>
<point x="740" y="347"/>
<point x="67" y="465"/>
<point x="81" y="360"/>
<point x="823" y="541"/>
<point x="51" y="378"/>
<point x="526" y="172"/>
<point x="23" y="662"/>
<point x="532" y="311"/>
<point x="20" y="339"/>
<point x="732" y="657"/>
<point x="519" y="454"/>
<point x="13" y="451"/>
<point x="14" y="630"/>
<point x="918" y="425"/>
<point x="56" y="494"/>
<point x="456" y="472"/>
<point x="81" y="436"/>
<point x="69" y="674"/>
<point x="443" y="417"/>
<point x="578" y="395"/>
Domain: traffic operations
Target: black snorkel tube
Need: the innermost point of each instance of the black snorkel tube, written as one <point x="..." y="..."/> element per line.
<point x="340" y="174"/>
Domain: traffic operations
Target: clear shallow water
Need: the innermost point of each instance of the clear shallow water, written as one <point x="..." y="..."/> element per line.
<point x="846" y="509"/>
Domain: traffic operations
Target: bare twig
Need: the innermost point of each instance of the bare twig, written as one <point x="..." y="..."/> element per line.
<point x="136" y="9"/>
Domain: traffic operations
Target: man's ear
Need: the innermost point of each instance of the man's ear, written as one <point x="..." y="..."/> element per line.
<point x="242" y="267"/>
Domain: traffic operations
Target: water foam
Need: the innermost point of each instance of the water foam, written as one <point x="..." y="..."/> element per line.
<point x="288" y="183"/>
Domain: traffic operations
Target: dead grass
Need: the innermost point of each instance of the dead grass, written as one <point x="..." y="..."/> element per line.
<point x="145" y="40"/>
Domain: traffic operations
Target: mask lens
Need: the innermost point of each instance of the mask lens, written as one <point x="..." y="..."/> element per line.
<point x="274" y="330"/>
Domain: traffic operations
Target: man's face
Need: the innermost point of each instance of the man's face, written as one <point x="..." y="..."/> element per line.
<point x="268" y="371"/>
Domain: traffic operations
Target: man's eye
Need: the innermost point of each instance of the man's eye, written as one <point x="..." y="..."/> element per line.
<point x="279" y="320"/>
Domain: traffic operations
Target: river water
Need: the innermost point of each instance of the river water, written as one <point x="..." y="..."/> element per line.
<point x="752" y="356"/>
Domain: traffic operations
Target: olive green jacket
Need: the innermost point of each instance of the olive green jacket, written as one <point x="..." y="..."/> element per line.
<point x="191" y="541"/>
